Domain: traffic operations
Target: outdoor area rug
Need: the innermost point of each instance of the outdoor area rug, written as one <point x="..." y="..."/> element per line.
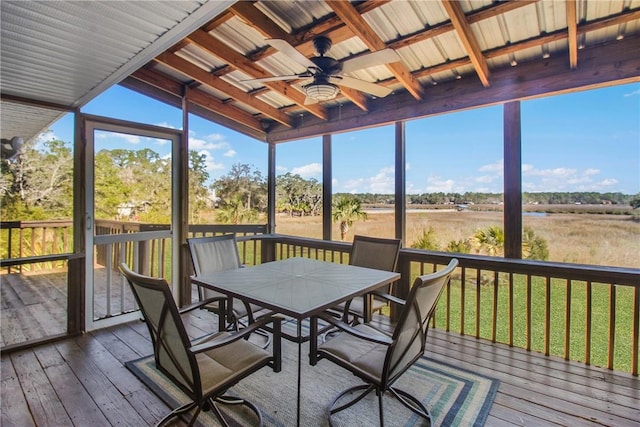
<point x="454" y="396"/>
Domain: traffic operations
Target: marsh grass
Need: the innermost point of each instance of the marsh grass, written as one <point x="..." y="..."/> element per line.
<point x="598" y="239"/>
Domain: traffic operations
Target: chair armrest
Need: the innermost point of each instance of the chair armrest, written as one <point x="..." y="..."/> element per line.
<point x="380" y="339"/>
<point x="200" y="304"/>
<point x="216" y="340"/>
<point x="390" y="298"/>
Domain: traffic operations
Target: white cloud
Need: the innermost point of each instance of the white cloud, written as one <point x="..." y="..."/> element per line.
<point x="131" y="139"/>
<point x="214" y="141"/>
<point x="564" y="179"/>
<point x="590" y="172"/>
<point x="210" y="163"/>
<point x="551" y="173"/>
<point x="608" y="182"/>
<point x="307" y="171"/>
<point x="382" y="182"/>
<point x="166" y="125"/>
<point x="495" y="167"/>
<point x="436" y="184"/>
<point x="485" y="179"/>
<point x="46" y="136"/>
<point x="281" y="169"/>
<point x="230" y="153"/>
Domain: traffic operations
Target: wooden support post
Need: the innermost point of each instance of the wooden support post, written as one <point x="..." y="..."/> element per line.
<point x="512" y="181"/>
<point x="327" y="187"/>
<point x="401" y="177"/>
<point x="271" y="189"/>
<point x="181" y="206"/>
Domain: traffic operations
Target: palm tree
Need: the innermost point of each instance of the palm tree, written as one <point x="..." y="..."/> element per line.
<point x="234" y="212"/>
<point x="346" y="210"/>
<point x="491" y="239"/>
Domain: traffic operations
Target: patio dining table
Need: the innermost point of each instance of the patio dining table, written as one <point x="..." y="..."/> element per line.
<point x="299" y="288"/>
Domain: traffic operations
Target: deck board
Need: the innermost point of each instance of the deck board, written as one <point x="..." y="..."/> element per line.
<point x="82" y="381"/>
<point x="85" y="377"/>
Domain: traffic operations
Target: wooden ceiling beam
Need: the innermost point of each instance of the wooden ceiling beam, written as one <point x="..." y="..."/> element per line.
<point x="572" y="29"/>
<point x="193" y="71"/>
<point x="445" y="27"/>
<point x="498" y="9"/>
<point x="447" y="66"/>
<point x="601" y="66"/>
<point x="218" y="20"/>
<point x="361" y="28"/>
<point x="355" y="96"/>
<point x="331" y="27"/>
<point x="240" y="62"/>
<point x="258" y="20"/>
<point x="469" y="41"/>
<point x="227" y="110"/>
<point x="334" y="28"/>
<point x="198" y="97"/>
<point x="563" y="34"/>
<point x="526" y="44"/>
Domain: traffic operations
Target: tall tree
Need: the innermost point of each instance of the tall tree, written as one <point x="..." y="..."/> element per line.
<point x="199" y="199"/>
<point x="38" y="182"/>
<point x="346" y="210"/>
<point x="235" y="212"/>
<point x="246" y="182"/>
<point x="298" y="195"/>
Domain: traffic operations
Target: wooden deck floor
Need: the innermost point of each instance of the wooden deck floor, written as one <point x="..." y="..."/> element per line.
<point x="82" y="382"/>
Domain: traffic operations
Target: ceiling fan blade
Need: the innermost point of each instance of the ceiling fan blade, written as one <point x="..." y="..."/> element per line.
<point x="379" y="57"/>
<point x="273" y="78"/>
<point x="291" y="52"/>
<point x="361" y="85"/>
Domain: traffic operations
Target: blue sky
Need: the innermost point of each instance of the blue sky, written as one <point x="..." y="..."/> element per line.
<point x="585" y="141"/>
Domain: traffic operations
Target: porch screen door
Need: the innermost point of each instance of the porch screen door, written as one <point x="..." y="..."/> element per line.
<point x="130" y="211"/>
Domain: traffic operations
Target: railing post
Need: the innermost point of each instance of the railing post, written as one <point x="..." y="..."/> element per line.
<point x="268" y="250"/>
<point x="401" y="287"/>
<point x="143" y="261"/>
<point x="75" y="294"/>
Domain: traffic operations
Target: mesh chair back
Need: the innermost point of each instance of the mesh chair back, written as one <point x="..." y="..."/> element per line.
<point x="212" y="254"/>
<point x="374" y="252"/>
<point x="410" y="334"/>
<point x="170" y="340"/>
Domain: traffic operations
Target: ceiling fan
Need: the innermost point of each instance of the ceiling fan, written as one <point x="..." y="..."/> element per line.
<point x="324" y="74"/>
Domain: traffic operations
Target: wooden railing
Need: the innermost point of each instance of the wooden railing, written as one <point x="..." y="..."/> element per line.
<point x="579" y="312"/>
<point x="23" y="239"/>
<point x="586" y="313"/>
<point x="149" y="252"/>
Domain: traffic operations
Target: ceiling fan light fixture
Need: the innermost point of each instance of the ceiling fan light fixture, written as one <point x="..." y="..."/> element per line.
<point x="321" y="91"/>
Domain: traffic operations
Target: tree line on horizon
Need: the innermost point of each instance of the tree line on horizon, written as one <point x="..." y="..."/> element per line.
<point x="548" y="198"/>
<point x="38" y="184"/>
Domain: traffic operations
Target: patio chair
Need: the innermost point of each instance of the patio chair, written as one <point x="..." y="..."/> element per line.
<point x="370" y="252"/>
<point x="378" y="358"/>
<point x="219" y="253"/>
<point x="204" y="369"/>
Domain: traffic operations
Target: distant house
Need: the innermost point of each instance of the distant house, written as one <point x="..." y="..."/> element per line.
<point x="130" y="210"/>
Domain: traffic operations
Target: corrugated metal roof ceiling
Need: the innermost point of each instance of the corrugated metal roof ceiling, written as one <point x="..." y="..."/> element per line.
<point x="64" y="53"/>
<point x="68" y="52"/>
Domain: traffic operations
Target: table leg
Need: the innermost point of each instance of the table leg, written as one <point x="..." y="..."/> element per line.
<point x="222" y="315"/>
<point x="299" y="326"/>
<point x="368" y="303"/>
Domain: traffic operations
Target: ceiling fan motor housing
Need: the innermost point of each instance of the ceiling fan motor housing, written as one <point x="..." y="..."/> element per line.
<point x="327" y="65"/>
<point x="322" y="44"/>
